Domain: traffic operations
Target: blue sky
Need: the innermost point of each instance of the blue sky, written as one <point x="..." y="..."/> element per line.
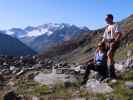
<point x="91" y="13"/>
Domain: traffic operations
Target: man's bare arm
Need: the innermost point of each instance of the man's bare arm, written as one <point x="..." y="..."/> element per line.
<point x="103" y="40"/>
<point x="118" y="37"/>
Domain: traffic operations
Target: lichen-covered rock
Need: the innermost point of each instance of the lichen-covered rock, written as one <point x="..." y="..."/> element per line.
<point x="129" y="85"/>
<point x="120" y="67"/>
<point x="53" y="78"/>
<point x="95" y="86"/>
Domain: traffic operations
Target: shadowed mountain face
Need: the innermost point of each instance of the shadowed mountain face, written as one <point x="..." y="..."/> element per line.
<point x="44" y="36"/>
<point x="81" y="48"/>
<point x="12" y="47"/>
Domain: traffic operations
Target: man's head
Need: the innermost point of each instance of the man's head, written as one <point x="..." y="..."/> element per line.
<point x="109" y="18"/>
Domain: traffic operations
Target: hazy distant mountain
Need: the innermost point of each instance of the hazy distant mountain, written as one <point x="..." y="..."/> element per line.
<point x="13" y="47"/>
<point x="43" y="36"/>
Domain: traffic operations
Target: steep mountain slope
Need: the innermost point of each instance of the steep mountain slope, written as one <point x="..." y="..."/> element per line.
<point x="82" y="48"/>
<point x="47" y="35"/>
<point x="13" y="47"/>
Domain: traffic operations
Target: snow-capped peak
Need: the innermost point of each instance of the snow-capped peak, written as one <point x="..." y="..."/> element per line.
<point x="47" y="29"/>
<point x="35" y="31"/>
<point x="38" y="32"/>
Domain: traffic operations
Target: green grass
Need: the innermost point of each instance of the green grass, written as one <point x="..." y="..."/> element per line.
<point x="41" y="90"/>
<point x="128" y="76"/>
<point x="121" y="53"/>
<point x="26" y="86"/>
<point x="121" y="92"/>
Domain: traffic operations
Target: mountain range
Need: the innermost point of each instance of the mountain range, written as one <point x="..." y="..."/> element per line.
<point x="42" y="37"/>
<point x="64" y="40"/>
<point x="13" y="47"/>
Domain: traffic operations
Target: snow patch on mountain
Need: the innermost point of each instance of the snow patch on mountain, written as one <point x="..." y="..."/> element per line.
<point x="38" y="37"/>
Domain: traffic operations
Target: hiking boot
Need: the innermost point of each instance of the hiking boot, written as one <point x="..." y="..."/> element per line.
<point x="83" y="82"/>
<point x="111" y="71"/>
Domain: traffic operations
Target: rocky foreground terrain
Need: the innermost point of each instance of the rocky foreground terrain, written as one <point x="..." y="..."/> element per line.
<point x="32" y="78"/>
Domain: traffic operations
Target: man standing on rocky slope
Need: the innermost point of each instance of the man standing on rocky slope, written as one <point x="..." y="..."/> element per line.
<point x="111" y="38"/>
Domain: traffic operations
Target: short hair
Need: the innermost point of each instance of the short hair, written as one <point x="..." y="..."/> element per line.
<point x="110" y="16"/>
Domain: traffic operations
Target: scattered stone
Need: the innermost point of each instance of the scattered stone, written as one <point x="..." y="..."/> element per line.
<point x="129" y="85"/>
<point x="77" y="69"/>
<point x="129" y="52"/>
<point x="2" y="81"/>
<point x="120" y="67"/>
<point x="31" y="75"/>
<point x="124" y="64"/>
<point x="20" y="73"/>
<point x="53" y="79"/>
<point x="12" y="68"/>
<point x="35" y="98"/>
<point x="129" y="62"/>
<point x="57" y="72"/>
<point x="11" y="83"/>
<point x="95" y="86"/>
